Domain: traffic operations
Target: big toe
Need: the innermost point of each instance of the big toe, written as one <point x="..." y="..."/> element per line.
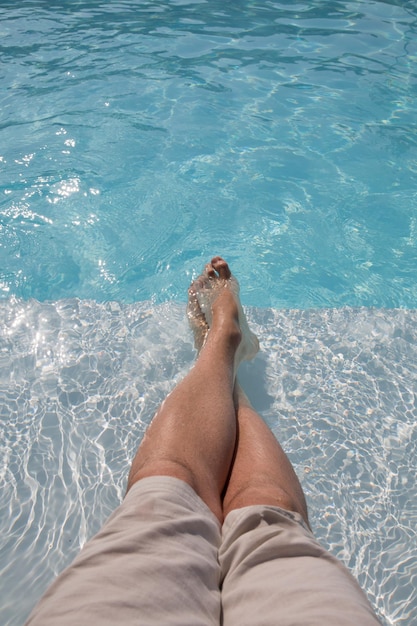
<point x="221" y="267"/>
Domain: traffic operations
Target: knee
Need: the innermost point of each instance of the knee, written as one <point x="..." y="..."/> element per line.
<point x="161" y="467"/>
<point x="175" y="468"/>
<point x="267" y="494"/>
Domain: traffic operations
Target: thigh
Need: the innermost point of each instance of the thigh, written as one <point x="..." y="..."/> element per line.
<point x="154" y="562"/>
<point x="275" y="572"/>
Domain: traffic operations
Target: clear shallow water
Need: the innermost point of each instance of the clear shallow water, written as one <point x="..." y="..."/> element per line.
<point x="81" y="381"/>
<point x="138" y="139"/>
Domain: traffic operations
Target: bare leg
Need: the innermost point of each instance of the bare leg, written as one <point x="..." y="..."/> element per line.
<point x="266" y="554"/>
<point x="192" y="437"/>
<point x="261" y="472"/>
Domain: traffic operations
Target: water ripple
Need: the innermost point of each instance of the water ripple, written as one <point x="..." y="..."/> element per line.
<point x="140" y="137"/>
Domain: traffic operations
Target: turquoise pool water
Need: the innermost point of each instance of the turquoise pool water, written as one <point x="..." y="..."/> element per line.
<point x="137" y="139"/>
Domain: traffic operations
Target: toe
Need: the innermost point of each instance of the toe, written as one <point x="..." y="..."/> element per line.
<point x="221" y="267"/>
<point x="209" y="271"/>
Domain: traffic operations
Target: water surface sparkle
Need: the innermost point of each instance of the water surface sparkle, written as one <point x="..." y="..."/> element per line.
<point x="282" y="136"/>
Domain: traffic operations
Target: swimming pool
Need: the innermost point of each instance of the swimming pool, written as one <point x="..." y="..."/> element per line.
<point x="138" y="139"/>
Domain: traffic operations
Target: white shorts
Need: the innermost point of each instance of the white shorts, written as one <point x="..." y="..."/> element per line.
<point x="162" y="558"/>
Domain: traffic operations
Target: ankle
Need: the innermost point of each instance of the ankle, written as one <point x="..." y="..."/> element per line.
<point x="226" y="331"/>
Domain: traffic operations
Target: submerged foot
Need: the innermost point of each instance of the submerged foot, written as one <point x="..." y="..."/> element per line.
<point x="196" y="317"/>
<point x="213" y="302"/>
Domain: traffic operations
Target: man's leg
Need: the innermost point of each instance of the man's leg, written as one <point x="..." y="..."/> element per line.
<point x="273" y="570"/>
<point x="261" y="472"/>
<point x="155" y="560"/>
<point x="193" y="435"/>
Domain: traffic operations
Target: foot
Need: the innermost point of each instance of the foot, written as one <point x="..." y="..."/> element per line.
<point x="214" y="304"/>
<point x="196" y="317"/>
